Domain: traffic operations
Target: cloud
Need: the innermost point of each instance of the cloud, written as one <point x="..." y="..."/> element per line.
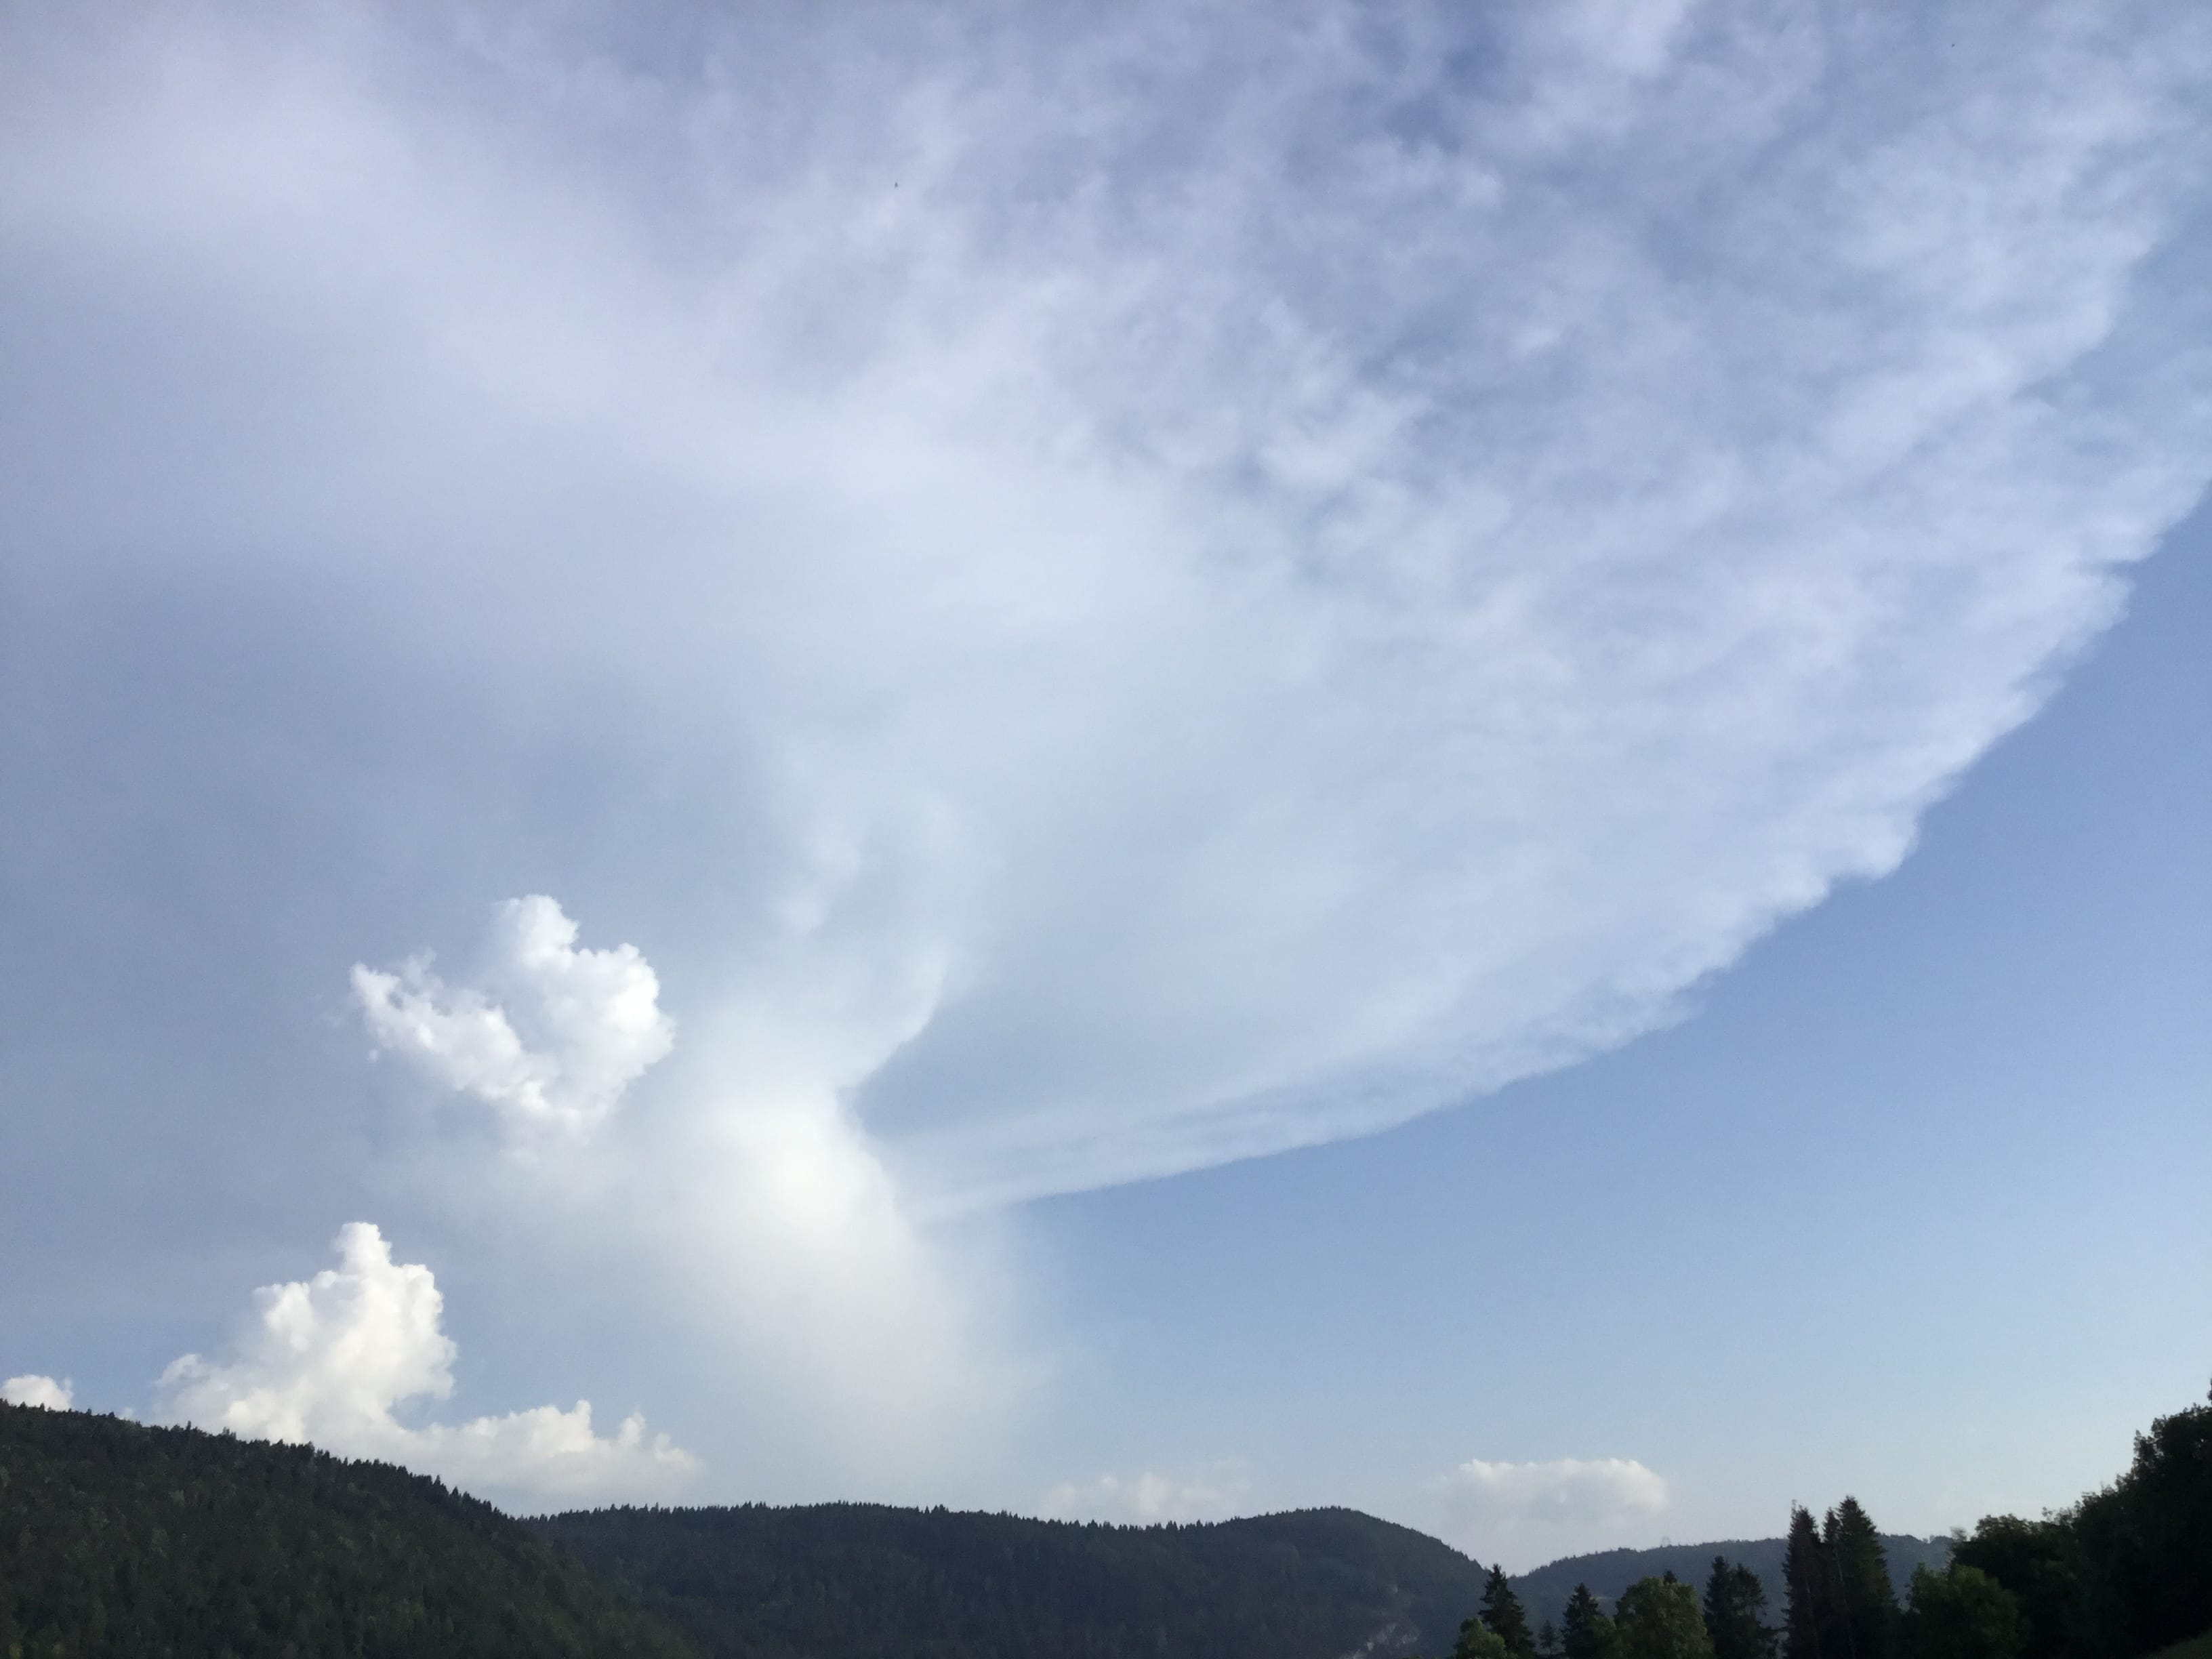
<point x="1238" y="585"/>
<point x="1112" y="593"/>
<point x="591" y="1022"/>
<point x="36" y="1390"/>
<point x="331" y="1360"/>
<point x="745" y="1190"/>
<point x="1536" y="1511"/>
<point x="1147" y="1499"/>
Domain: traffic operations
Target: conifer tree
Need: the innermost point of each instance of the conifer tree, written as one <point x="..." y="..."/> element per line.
<point x="1805" y="1585"/>
<point x="1866" y="1605"/>
<point x="1735" y="1612"/>
<point x="1503" y="1617"/>
<point x="1586" y="1632"/>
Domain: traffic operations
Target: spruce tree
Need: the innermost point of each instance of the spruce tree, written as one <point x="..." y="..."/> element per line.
<point x="1735" y="1612"/>
<point x="1805" y="1584"/>
<point x="1585" y="1630"/>
<point x="1503" y="1617"/>
<point x="1866" y="1605"/>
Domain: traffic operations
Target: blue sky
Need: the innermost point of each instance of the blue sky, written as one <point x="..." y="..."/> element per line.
<point x="1144" y="768"/>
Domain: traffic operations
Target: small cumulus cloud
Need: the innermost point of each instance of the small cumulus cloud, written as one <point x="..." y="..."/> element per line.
<point x="552" y="1034"/>
<point x="35" y="1390"/>
<point x="1213" y="1493"/>
<point x="1569" y="1501"/>
<point x="329" y="1360"/>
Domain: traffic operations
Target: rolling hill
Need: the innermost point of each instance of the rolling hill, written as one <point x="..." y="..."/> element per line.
<point x="856" y="1581"/>
<point x="117" y="1539"/>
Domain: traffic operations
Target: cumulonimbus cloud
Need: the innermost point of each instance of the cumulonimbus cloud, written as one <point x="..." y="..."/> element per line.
<point x="1241" y="584"/>
<point x="551" y="1036"/>
<point x="328" y="1360"/>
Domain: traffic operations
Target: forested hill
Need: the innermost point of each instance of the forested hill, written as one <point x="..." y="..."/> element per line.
<point x="1544" y="1592"/>
<point x="119" y="1540"/>
<point x="858" y="1581"/>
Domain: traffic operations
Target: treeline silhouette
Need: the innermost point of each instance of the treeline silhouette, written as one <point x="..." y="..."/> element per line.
<point x="117" y="1539"/>
<point x="1545" y="1590"/>
<point x="2125" y="1572"/>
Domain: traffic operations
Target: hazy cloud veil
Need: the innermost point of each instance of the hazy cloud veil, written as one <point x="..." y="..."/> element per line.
<point x="1239" y="583"/>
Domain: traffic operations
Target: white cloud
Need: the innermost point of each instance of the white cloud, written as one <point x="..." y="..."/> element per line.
<point x="1190" y="589"/>
<point x="1535" y="1512"/>
<point x="1308" y="581"/>
<point x="590" y="1020"/>
<point x="1565" y="1490"/>
<point x="36" y="1390"/>
<point x="1213" y="1493"/>
<point x="331" y="1359"/>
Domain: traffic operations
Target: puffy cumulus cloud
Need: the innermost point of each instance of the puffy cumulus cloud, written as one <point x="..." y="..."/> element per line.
<point x="35" y="1390"/>
<point x="745" y="1190"/>
<point x="329" y="1359"/>
<point x="1213" y="1493"/>
<point x="1240" y="584"/>
<point x="1567" y="1503"/>
<point x="553" y="1034"/>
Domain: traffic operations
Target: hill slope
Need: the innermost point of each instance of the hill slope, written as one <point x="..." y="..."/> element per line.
<point x="1544" y="1592"/>
<point x="858" y="1581"/>
<point x="116" y="1539"/>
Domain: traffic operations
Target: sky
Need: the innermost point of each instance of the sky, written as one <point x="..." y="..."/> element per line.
<point x="1137" y="766"/>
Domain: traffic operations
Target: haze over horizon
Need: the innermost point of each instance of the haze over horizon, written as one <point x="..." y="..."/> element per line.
<point x="1138" y="767"/>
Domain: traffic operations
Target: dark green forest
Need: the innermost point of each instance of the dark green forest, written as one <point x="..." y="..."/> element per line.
<point x="859" y="1581"/>
<point x="117" y="1539"/>
<point x="123" y="1540"/>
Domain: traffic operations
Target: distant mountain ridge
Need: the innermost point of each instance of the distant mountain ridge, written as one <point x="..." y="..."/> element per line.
<point x="1544" y="1591"/>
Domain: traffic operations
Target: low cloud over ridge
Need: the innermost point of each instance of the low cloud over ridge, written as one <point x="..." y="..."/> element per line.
<point x="35" y="1390"/>
<point x="328" y="1360"/>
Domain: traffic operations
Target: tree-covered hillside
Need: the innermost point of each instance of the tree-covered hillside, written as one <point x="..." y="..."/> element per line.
<point x="856" y="1581"/>
<point x="171" y="1544"/>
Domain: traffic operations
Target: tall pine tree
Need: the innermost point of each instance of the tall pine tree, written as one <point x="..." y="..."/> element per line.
<point x="1735" y="1612"/>
<point x="1503" y="1617"/>
<point x="1807" y="1615"/>
<point x="1586" y="1632"/>
<point x="1861" y="1617"/>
